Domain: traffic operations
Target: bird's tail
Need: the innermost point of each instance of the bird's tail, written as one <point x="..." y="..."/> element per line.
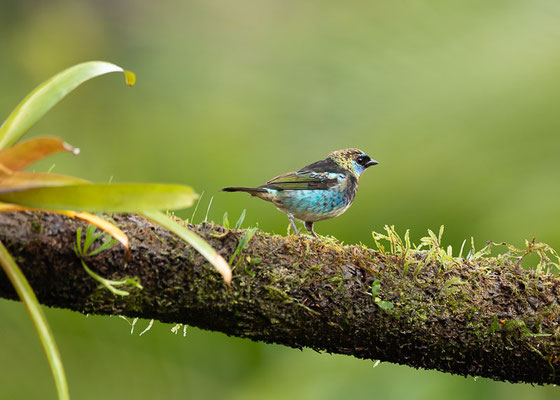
<point x="259" y="192"/>
<point x="251" y="191"/>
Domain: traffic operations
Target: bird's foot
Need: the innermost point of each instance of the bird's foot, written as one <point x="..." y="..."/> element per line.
<point x="293" y="226"/>
<point x="309" y="227"/>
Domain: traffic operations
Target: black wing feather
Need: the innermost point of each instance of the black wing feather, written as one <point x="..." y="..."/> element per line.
<point x="313" y="176"/>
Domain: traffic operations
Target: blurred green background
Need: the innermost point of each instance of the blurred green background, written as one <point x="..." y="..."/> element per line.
<point x="459" y="101"/>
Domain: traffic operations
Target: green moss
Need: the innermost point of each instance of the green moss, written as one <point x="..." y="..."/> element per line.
<point x="37" y="227"/>
<point x="317" y="293"/>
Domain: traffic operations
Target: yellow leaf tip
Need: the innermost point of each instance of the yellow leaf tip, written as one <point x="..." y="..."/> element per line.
<point x="129" y="77"/>
<point x="223" y="268"/>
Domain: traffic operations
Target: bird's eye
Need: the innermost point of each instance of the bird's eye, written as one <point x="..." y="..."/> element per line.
<point x="362" y="160"/>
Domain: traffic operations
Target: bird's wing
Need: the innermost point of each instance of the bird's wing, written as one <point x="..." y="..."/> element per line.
<point x="319" y="175"/>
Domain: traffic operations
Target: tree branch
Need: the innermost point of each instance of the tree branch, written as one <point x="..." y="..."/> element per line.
<point x="484" y="318"/>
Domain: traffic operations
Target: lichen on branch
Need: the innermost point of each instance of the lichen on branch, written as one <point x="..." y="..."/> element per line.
<point x="418" y="306"/>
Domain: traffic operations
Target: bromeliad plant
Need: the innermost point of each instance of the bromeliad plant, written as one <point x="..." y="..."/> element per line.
<point x="75" y="197"/>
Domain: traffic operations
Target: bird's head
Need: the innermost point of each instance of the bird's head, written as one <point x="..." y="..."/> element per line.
<point x="353" y="160"/>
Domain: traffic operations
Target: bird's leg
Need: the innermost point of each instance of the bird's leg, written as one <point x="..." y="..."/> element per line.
<point x="309" y="227"/>
<point x="291" y="218"/>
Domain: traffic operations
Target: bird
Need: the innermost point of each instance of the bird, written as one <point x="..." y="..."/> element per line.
<point x="321" y="190"/>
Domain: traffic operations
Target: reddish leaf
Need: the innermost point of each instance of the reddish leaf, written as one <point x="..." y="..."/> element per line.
<point x="16" y="181"/>
<point x="26" y="153"/>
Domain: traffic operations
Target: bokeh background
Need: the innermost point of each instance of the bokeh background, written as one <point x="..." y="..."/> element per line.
<point x="458" y="100"/>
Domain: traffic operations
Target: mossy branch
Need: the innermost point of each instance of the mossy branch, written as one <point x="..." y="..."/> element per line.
<point x="481" y="317"/>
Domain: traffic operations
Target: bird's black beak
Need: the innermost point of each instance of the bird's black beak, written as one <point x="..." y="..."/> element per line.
<point x="371" y="163"/>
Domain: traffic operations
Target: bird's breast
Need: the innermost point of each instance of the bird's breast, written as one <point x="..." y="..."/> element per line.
<point x="315" y="205"/>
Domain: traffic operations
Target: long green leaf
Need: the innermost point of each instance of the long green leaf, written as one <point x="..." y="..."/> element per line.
<point x="116" y="197"/>
<point x="46" y="95"/>
<point x="38" y="319"/>
<point x="194" y="240"/>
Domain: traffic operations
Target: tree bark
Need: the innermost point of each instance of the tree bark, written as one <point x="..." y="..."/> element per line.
<point x="485" y="318"/>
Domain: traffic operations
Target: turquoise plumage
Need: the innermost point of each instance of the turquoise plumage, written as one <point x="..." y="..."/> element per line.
<point x="319" y="191"/>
